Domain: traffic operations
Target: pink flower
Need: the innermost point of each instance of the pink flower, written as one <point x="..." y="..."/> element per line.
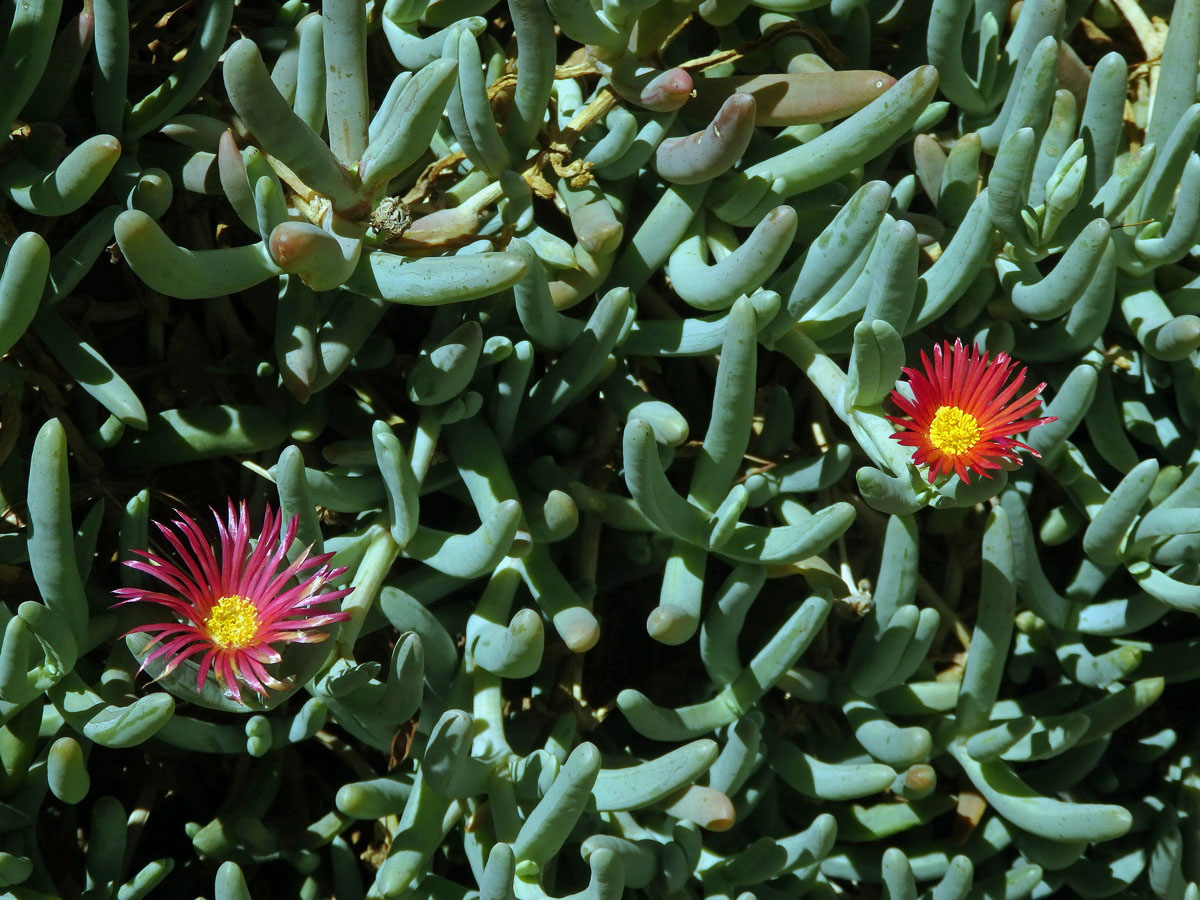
<point x="234" y="609"/>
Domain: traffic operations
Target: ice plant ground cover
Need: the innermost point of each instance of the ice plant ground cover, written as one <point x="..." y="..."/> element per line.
<point x="962" y="410"/>
<point x="235" y="605"/>
<point x="635" y="490"/>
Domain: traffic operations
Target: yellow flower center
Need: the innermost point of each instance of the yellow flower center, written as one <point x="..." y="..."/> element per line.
<point x="233" y="622"/>
<point x="953" y="431"/>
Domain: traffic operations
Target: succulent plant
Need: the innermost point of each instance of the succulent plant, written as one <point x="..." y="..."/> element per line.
<point x="576" y="343"/>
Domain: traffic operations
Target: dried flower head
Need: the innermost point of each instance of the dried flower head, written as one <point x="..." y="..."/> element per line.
<point x="962" y="419"/>
<point x="233" y="608"/>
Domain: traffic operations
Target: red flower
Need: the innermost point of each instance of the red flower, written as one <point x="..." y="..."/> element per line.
<point x="960" y="422"/>
<point x="235" y="608"/>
